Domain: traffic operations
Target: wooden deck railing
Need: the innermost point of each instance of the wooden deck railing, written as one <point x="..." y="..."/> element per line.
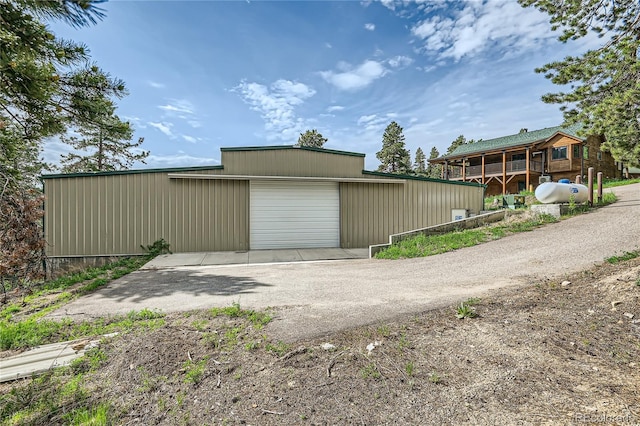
<point x="492" y="169"/>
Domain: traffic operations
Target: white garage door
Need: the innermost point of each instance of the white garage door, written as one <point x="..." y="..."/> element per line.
<point x="294" y="215"/>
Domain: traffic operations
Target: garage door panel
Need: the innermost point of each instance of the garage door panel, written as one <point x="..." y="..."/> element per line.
<point x="295" y="215"/>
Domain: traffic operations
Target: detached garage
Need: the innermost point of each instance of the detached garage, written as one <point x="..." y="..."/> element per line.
<point x="258" y="198"/>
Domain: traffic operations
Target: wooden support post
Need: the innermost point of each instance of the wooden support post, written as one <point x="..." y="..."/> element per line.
<point x="483" y="169"/>
<point x="446" y="170"/>
<point x="590" y="183"/>
<point x="578" y="179"/>
<point x="599" y="187"/>
<point x="504" y="172"/>
<point x="464" y="169"/>
<point x="527" y="167"/>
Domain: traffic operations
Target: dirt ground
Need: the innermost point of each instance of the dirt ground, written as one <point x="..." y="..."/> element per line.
<point x="545" y="353"/>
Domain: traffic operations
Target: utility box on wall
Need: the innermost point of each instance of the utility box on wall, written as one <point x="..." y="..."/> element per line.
<point x="459" y="214"/>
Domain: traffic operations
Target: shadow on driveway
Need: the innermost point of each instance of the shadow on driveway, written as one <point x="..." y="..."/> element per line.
<point x="140" y="286"/>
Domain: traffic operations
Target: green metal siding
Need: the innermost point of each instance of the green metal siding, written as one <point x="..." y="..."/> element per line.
<point x="115" y="214"/>
<point x="291" y="162"/>
<point x="369" y="213"/>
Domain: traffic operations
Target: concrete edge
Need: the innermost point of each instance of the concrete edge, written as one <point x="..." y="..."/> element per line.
<point x="468" y="223"/>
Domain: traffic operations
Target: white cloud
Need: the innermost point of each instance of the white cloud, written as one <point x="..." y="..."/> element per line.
<point x="376" y="123"/>
<point x="366" y="119"/>
<point x="390" y="4"/>
<point x="334" y="108"/>
<point x="355" y="78"/>
<point x="179" y="107"/>
<point x="194" y="123"/>
<point x="189" y="139"/>
<point x="164" y="127"/>
<point x="156" y="85"/>
<point x="400" y="61"/>
<point x="328" y="45"/>
<point x="480" y="26"/>
<point x="276" y="105"/>
<point x="136" y="121"/>
<point x="369" y="26"/>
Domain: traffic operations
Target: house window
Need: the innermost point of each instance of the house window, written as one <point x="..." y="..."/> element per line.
<point x="518" y="157"/>
<point x="576" y="151"/>
<point x="599" y="155"/>
<point x="559" y="153"/>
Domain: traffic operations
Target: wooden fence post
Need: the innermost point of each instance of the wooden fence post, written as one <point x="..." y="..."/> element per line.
<point x="590" y="182"/>
<point x="599" y="187"/>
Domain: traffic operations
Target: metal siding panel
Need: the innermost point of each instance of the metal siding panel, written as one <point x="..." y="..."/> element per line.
<point x="291" y="162"/>
<point x="209" y="215"/>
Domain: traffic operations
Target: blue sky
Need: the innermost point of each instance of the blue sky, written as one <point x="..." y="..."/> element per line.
<point x="209" y="74"/>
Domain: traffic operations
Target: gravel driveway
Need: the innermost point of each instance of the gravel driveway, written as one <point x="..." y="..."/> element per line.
<point x="312" y="299"/>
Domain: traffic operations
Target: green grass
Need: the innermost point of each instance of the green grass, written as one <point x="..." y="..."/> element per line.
<point x="112" y="271"/>
<point x="279" y="348"/>
<point x="409" y="368"/>
<point x="41" y="302"/>
<point x="623" y="257"/>
<point x="370" y="371"/>
<point x="258" y="319"/>
<point x="85" y="416"/>
<point x="194" y="371"/>
<point x="31" y="332"/>
<point x="423" y="245"/>
<point x="58" y="397"/>
<point x="465" y="310"/>
<point x="22" y="325"/>
<point x="610" y="183"/>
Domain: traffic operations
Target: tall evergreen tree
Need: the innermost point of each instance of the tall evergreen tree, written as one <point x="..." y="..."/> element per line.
<point x="46" y="83"/>
<point x="45" y="86"/>
<point x="434" y="170"/>
<point x="311" y="138"/>
<point x="101" y="141"/>
<point x="419" y="166"/>
<point x="603" y="85"/>
<point x="394" y="156"/>
<point x="460" y="140"/>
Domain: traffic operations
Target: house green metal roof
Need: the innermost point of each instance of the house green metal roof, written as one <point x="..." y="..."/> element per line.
<point x="514" y="140"/>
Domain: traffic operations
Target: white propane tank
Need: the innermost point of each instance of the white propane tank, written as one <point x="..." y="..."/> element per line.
<point x="555" y="192"/>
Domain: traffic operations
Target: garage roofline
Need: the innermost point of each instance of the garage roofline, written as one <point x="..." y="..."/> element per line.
<point x="284" y="178"/>
<point x="304" y="148"/>
<point x="132" y="172"/>
<point x="424" y="179"/>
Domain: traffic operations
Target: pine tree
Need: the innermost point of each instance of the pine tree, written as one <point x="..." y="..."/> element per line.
<point x="103" y="144"/>
<point x="434" y="170"/>
<point x="460" y="140"/>
<point x="394" y="156"/>
<point x="419" y="166"/>
<point x="45" y="87"/>
<point x="603" y="87"/>
<point x="311" y="138"/>
<point x="46" y="82"/>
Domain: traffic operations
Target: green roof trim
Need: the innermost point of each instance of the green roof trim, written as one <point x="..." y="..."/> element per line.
<point x="515" y="140"/>
<point x="132" y="172"/>
<point x="422" y="178"/>
<point x="304" y="148"/>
